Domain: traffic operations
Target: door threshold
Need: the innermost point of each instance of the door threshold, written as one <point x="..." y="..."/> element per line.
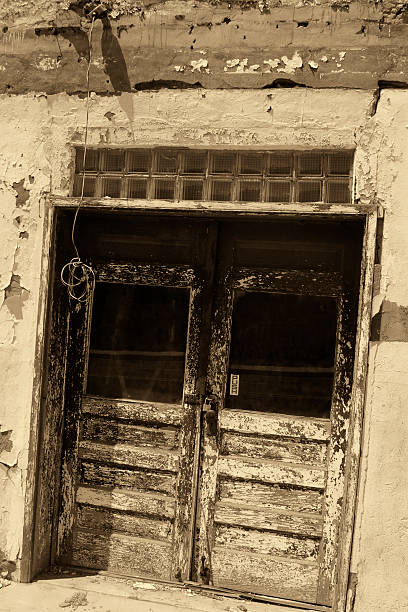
<point x="205" y="590"/>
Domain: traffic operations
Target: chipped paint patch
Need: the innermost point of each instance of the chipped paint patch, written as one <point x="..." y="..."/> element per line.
<point x="46" y="63"/>
<point x="272" y="63"/>
<point x="197" y="65"/>
<point x="291" y="64"/>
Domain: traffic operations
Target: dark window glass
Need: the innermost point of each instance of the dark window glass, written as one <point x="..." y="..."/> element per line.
<point x="250" y="191"/>
<point x="164" y="189"/>
<point x="309" y="191"/>
<point x="280" y="164"/>
<point x="278" y="191"/>
<point x="167" y="161"/>
<point x="310" y="164"/>
<point x="340" y="163"/>
<point x="139" y="160"/>
<point x="195" y="162"/>
<point x="111" y="187"/>
<point x="221" y="191"/>
<point x="137" y="188"/>
<point x="138" y="342"/>
<point x="114" y="160"/>
<point x="251" y="163"/>
<point x="222" y="162"/>
<point x="89" y="186"/>
<point x="338" y="191"/>
<point x="282" y="348"/>
<point x="192" y="190"/>
<point x="91" y="160"/>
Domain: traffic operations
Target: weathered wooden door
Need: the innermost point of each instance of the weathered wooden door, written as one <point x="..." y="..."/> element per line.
<point x="133" y="498"/>
<point x="273" y="449"/>
<point x="208" y="442"/>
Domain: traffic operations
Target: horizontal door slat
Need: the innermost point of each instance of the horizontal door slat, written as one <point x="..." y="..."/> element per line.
<point x="137" y="456"/>
<point x="268" y="543"/>
<point x="266" y="470"/>
<point x="112" y="432"/>
<point x="111" y="476"/>
<point x="269" y="448"/>
<point x="269" y="496"/>
<point x="244" y="516"/>
<point x="145" y="274"/>
<point x="275" y="424"/>
<point x="132" y="410"/>
<point x="108" y="521"/>
<point x="123" y="553"/>
<point x="265" y="574"/>
<point x="135" y="501"/>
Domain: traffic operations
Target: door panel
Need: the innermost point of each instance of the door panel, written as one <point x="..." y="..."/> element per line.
<point x="136" y="453"/>
<point x="264" y="495"/>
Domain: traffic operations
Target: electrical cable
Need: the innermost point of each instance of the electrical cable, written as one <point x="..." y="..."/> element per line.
<point x="77" y="276"/>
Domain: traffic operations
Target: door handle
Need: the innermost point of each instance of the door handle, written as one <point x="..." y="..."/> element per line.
<point x="210" y="411"/>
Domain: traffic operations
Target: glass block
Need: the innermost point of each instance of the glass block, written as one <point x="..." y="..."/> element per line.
<point x="310" y="164"/>
<point x="137" y="188"/>
<point x="193" y="190"/>
<point x="89" y="186"/>
<point x="222" y="162"/>
<point x="167" y="161"/>
<point x="139" y="160"/>
<point x="340" y="163"/>
<point x="164" y="189"/>
<point x="338" y="191"/>
<point x="278" y="191"/>
<point x="91" y="159"/>
<point x="280" y="164"/>
<point x="111" y="187"/>
<point x="220" y="191"/>
<point x="114" y="160"/>
<point x="195" y="162"/>
<point x="251" y="163"/>
<point x="250" y="191"/>
<point x="309" y="191"/>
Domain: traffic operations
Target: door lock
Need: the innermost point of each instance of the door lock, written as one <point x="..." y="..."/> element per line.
<point x="210" y="411"/>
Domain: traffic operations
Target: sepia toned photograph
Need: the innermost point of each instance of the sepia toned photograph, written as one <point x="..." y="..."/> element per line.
<point x="203" y="306"/>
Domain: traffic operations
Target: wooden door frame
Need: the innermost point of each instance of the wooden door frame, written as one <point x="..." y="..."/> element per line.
<point x="45" y="423"/>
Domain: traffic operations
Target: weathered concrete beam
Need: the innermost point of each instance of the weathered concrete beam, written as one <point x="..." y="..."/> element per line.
<point x="179" y="44"/>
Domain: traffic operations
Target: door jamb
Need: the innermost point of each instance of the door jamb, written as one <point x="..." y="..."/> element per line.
<point x="34" y="482"/>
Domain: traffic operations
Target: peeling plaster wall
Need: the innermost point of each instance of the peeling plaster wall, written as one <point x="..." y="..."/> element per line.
<point x="24" y="179"/>
<point x="36" y="156"/>
<point x="380" y="557"/>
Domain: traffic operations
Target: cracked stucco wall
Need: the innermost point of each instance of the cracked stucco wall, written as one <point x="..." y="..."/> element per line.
<point x="24" y="178"/>
<point x="37" y="133"/>
<point x="380" y="557"/>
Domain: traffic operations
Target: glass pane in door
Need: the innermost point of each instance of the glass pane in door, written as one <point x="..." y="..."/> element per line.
<point x="138" y="342"/>
<point x="282" y="353"/>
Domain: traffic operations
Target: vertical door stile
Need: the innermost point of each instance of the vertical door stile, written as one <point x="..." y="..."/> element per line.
<point x="75" y="380"/>
<point x="216" y="384"/>
<point x="186" y="487"/>
<point x="335" y="483"/>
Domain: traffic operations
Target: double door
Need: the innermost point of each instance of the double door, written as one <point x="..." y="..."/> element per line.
<point x="208" y="438"/>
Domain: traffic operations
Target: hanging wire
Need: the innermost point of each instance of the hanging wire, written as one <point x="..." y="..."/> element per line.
<point x="77" y="276"/>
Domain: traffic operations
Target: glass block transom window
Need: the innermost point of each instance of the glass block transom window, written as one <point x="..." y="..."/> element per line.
<point x="215" y="175"/>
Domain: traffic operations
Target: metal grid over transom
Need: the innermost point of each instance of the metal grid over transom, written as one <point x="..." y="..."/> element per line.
<point x="215" y="175"/>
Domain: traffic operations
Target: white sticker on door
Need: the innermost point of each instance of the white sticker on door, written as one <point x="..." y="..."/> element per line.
<point x="234" y="384"/>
